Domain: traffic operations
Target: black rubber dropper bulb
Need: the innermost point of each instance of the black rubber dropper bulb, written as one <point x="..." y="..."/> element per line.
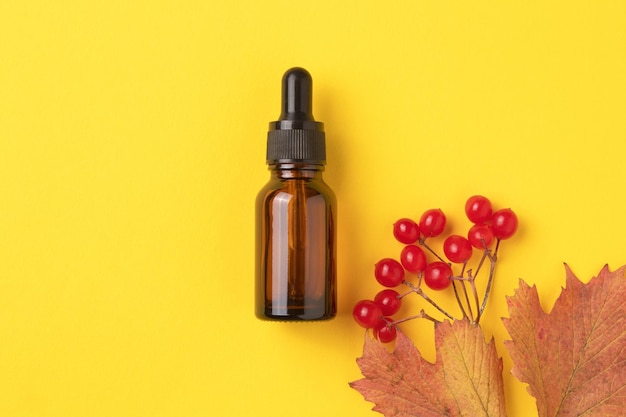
<point x="297" y="96"/>
<point x="296" y="136"/>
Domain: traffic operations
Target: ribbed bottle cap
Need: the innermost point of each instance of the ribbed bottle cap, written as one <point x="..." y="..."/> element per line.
<point x="296" y="136"/>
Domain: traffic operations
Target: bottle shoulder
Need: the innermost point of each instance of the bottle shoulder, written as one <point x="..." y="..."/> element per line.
<point x="311" y="188"/>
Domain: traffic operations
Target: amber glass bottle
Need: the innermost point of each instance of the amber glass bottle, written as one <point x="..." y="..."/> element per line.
<point x="296" y="215"/>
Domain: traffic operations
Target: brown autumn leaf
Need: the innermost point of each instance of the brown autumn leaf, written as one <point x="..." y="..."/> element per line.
<point x="573" y="358"/>
<point x="465" y="380"/>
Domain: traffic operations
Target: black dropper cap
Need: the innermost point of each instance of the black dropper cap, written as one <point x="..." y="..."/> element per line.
<point x="296" y="136"/>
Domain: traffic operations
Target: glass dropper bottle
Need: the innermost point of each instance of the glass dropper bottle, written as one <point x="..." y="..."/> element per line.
<point x="296" y="215"/>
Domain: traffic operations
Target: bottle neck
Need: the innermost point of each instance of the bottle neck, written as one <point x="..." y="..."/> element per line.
<point x="296" y="170"/>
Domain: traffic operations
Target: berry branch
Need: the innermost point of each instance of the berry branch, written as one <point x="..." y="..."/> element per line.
<point x="487" y="227"/>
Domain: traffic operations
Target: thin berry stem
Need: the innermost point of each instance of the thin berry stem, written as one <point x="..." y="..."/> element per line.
<point x="467" y="301"/>
<point x="492" y="267"/>
<point x="469" y="274"/>
<point x="475" y="291"/>
<point x="482" y="260"/>
<point x="421" y="293"/>
<point x="462" y="279"/>
<point x="401" y="296"/>
<point x="495" y="252"/>
<point x="469" y="305"/>
<point x="422" y="241"/>
<point x="463" y="268"/>
<point x="458" y="299"/>
<point x="421" y="315"/>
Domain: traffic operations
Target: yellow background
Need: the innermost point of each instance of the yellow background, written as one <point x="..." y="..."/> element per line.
<point x="132" y="145"/>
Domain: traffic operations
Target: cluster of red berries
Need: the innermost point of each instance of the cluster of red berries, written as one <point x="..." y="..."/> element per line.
<point x="487" y="227"/>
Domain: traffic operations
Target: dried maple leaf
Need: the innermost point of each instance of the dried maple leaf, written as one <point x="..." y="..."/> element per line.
<point x="573" y="358"/>
<point x="465" y="380"/>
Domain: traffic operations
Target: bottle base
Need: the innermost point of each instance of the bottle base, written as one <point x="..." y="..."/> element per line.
<point x="295" y="315"/>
